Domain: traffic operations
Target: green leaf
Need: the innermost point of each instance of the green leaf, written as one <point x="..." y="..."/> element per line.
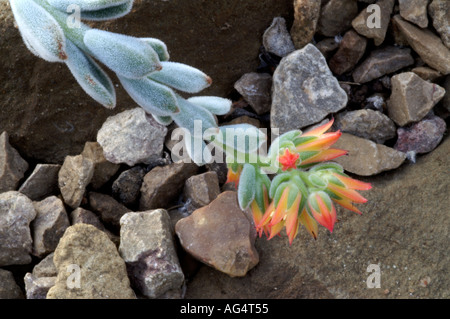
<point x="276" y="181"/>
<point x="163" y="120"/>
<point x="85" y="5"/>
<point x="214" y="104"/>
<point x="247" y="186"/>
<point x="109" y="13"/>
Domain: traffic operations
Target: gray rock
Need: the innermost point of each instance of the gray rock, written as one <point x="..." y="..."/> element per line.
<point x="42" y="182"/>
<point x="369" y="124"/>
<point x="428" y="74"/>
<point x="414" y="11"/>
<point x="126" y="188"/>
<point x="162" y="185"/>
<point x="12" y="165"/>
<point x="200" y="190"/>
<point x="16" y="213"/>
<point x="8" y="286"/>
<point x="221" y="169"/>
<point x="276" y="39"/>
<point x="37" y="288"/>
<point x="304" y="90"/>
<point x="439" y="11"/>
<point x="376" y="101"/>
<point x="306" y="17"/>
<point x="366" y="158"/>
<point x="336" y="17"/>
<point x="109" y="210"/>
<point x="131" y="137"/>
<point x="84" y="216"/>
<point x="220" y="235"/>
<point x="148" y="249"/>
<point x="49" y="225"/>
<point x="327" y="46"/>
<point x="103" y="273"/>
<point x="255" y="88"/>
<point x="73" y="177"/>
<point x="351" y="50"/>
<point x="45" y="268"/>
<point x="412" y="98"/>
<point x="381" y="62"/>
<point x="103" y="169"/>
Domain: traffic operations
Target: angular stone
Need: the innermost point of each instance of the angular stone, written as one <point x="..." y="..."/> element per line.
<point x="131" y="137"/>
<point x="220" y="235"/>
<point x="8" y="286"/>
<point x="412" y="98"/>
<point x="306" y="17"/>
<point x="103" y="273"/>
<point x="439" y="11"/>
<point x="49" y="225"/>
<point x="366" y="158"/>
<point x="103" y="169"/>
<point x="428" y="74"/>
<point x="73" y="177"/>
<point x="126" y="188"/>
<point x="255" y="88"/>
<point x="37" y="288"/>
<point x="361" y="25"/>
<point x="109" y="210"/>
<point x="276" y="39"/>
<point x="327" y="46"/>
<point x="42" y="182"/>
<point x="221" y="169"/>
<point x="304" y="90"/>
<point x="148" y="248"/>
<point x="45" y="268"/>
<point x="16" y="213"/>
<point x="12" y="165"/>
<point x="351" y="50"/>
<point x="414" y="11"/>
<point x="382" y="61"/>
<point x="376" y="102"/>
<point x="369" y="124"/>
<point x="336" y="17"/>
<point x="200" y="190"/>
<point x="421" y="137"/>
<point x="164" y="184"/>
<point x="426" y="44"/>
<point x="84" y="216"/>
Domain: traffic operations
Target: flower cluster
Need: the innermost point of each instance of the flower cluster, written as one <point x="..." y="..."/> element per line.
<point x="304" y="190"/>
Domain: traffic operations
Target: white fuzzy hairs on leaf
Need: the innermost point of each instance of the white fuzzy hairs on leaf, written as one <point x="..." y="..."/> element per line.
<point x="247" y="186"/>
<point x="159" y="47"/>
<point x="85" y="5"/>
<point x="109" y="13"/>
<point x="216" y="105"/>
<point x="40" y="31"/>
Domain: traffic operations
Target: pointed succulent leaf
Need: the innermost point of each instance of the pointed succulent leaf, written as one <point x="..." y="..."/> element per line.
<point x="262" y="189"/>
<point x="317" y="181"/>
<point x="214" y="104"/>
<point x="163" y="120"/>
<point x="154" y="98"/>
<point x="279" y="191"/>
<point x="247" y="186"/>
<point x="127" y="56"/>
<point x="276" y="181"/>
<point x="108" y="13"/>
<point x="159" y="47"/>
<point x="85" y="5"/>
<point x="40" y="31"/>
<point x="181" y="77"/>
<point x="292" y="195"/>
<point x="333" y="166"/>
<point x="90" y="76"/>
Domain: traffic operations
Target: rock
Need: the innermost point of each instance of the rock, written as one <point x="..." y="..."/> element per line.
<point x="414" y="11"/>
<point x="421" y="137"/>
<point x="439" y="11"/>
<point x="200" y="190"/>
<point x="102" y="272"/>
<point x="426" y="44"/>
<point x="255" y="88"/>
<point x="148" y="249"/>
<point x="49" y="225"/>
<point x="42" y="182"/>
<point x="84" y="216"/>
<point x="327" y="47"/>
<point x="412" y="98"/>
<point x="45" y="268"/>
<point x="276" y="39"/>
<point x="336" y="17"/>
<point x="397" y="231"/>
<point x="428" y="74"/>
<point x="109" y="210"/>
<point x="126" y="188"/>
<point x="16" y="213"/>
<point x="368" y="124"/>
<point x="103" y="170"/>
<point x="244" y="120"/>
<point x="220" y="235"/>
<point x="376" y="102"/>
<point x="306" y="17"/>
<point x="37" y="288"/>
<point x="12" y="165"/>
<point x="351" y="50"/>
<point x="362" y="26"/>
<point x="162" y="185"/>
<point x="366" y="158"/>
<point x="382" y="61"/>
<point x="73" y="177"/>
<point x="8" y="286"/>
<point x="221" y="169"/>
<point x="304" y="90"/>
<point x="137" y="138"/>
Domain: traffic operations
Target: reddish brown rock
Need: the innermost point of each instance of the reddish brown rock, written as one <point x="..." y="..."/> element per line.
<point x="351" y="50"/>
<point x="306" y="16"/>
<point x="336" y="17"/>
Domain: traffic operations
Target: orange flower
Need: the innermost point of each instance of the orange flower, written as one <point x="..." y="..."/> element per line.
<point x="322" y="208"/>
<point x="234" y="174"/>
<point x="288" y="160"/>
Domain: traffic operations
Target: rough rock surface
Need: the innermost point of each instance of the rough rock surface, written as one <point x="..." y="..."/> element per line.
<point x="37" y="288"/>
<point x="12" y="165"/>
<point x="428" y="74"/>
<point x="126" y="188"/>
<point x="8" y="286"/>
<point x="220" y="235"/>
<point x="255" y="88"/>
<point x="200" y="190"/>
<point x="276" y="39"/>
<point x="414" y="11"/>
<point x="103" y="273"/>
<point x="439" y="11"/>
<point x="306" y="17"/>
<point x="336" y="17"/>
<point x="366" y="158"/>
<point x="45" y="268"/>
<point x="16" y="213"/>
<point x="304" y="90"/>
<point x="109" y="210"/>
<point x="147" y="246"/>
<point x="351" y="50"/>
<point x="42" y="182"/>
